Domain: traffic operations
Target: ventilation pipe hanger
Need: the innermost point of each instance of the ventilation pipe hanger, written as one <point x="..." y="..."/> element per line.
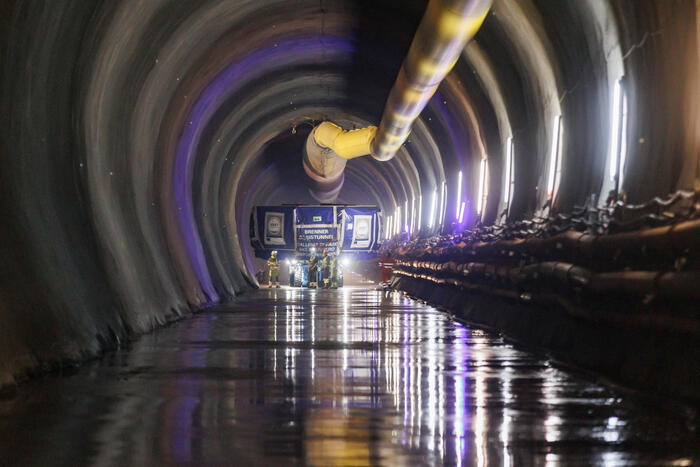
<point x="441" y="36"/>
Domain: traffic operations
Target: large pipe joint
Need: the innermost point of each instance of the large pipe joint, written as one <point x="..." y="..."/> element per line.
<point x="324" y="169"/>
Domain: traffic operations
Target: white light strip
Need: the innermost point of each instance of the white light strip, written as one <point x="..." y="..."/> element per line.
<point x="512" y="174"/>
<point x="615" y="130"/>
<point x="461" y="212"/>
<point x="557" y="172"/>
<point x="413" y="215"/>
<point x="439" y="207"/>
<point x="388" y="228"/>
<point x="554" y="157"/>
<point x="507" y="179"/>
<point x="459" y="194"/>
<point x="433" y="207"/>
<point x="482" y="179"/>
<point x="405" y="213"/>
<point x="420" y="212"/>
<point x="442" y="202"/>
<point x="444" y="205"/>
<point x="623" y="142"/>
<point x="397" y="226"/>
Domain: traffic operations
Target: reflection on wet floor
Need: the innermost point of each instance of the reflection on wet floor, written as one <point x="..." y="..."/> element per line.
<point x="347" y="377"/>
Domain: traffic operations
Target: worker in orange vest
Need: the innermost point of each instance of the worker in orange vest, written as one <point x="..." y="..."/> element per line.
<point x="313" y="270"/>
<point x="387" y="266"/>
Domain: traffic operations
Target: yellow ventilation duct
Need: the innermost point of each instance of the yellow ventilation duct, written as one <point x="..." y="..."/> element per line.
<point x="441" y="36"/>
<point x="347" y="144"/>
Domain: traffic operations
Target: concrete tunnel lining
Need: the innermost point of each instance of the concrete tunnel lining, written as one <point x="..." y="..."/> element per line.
<point x="115" y="222"/>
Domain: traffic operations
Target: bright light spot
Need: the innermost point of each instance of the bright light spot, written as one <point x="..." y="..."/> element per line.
<point x="433" y="207"/>
<point x="345" y="262"/>
<point x="682" y="462"/>
<point x="623" y="142"/>
<point x="443" y="198"/>
<point x="615" y="130"/>
<point x="612" y="430"/>
<point x="420" y="211"/>
<point x="508" y="179"/>
<point x="554" y="163"/>
<point x="397" y="226"/>
<point x="442" y="202"/>
<point x="482" y="187"/>
<point x="618" y="133"/>
<point x="459" y="194"/>
<point x="413" y="214"/>
<point x="405" y="222"/>
<point x="552" y="426"/>
<point x="461" y="212"/>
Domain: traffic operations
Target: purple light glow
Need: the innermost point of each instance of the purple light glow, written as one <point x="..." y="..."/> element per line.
<point x="181" y="414"/>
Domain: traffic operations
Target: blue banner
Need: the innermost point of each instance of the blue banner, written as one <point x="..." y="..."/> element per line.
<point x="294" y="230"/>
<point x="309" y="215"/>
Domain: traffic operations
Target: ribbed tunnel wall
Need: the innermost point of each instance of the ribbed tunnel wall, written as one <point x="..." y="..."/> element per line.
<point x="136" y="137"/>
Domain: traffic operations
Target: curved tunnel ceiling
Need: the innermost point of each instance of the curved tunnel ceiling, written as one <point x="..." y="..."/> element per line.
<point x="138" y="136"/>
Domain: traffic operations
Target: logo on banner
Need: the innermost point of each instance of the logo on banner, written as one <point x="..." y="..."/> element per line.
<point x="361" y="236"/>
<point x="274" y="228"/>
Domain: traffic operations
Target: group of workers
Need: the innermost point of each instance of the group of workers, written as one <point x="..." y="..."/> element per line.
<point x="323" y="270"/>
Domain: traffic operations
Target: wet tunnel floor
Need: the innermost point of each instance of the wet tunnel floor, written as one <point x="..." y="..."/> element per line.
<point x="347" y="377"/>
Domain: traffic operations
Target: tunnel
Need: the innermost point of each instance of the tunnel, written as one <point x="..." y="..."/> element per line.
<point x="138" y="137"/>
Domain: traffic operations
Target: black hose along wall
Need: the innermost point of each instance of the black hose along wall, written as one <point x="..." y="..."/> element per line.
<point x="137" y="135"/>
<point x="622" y="304"/>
